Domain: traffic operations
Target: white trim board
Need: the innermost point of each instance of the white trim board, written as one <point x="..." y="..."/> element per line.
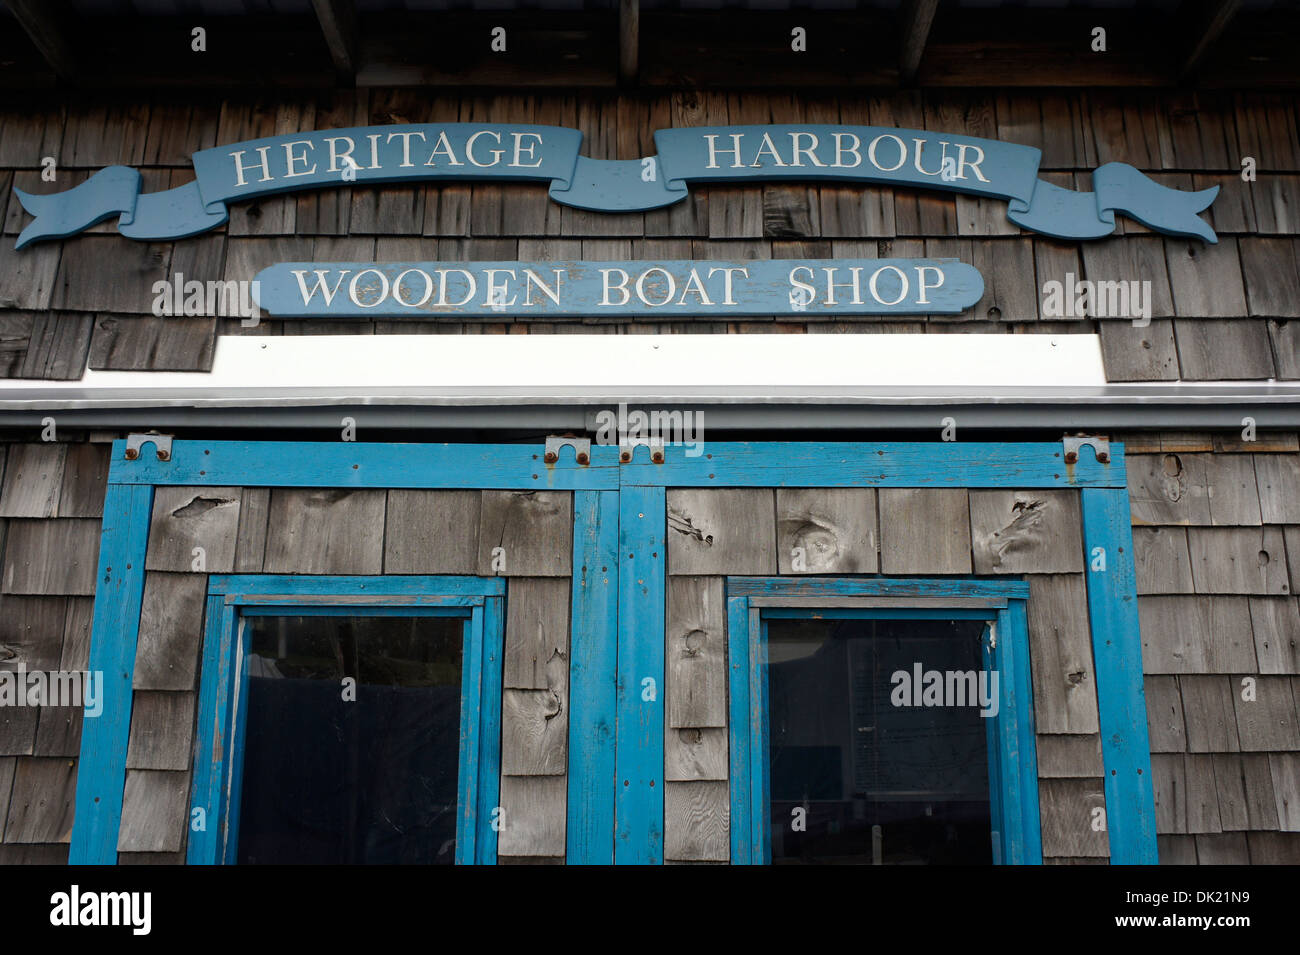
<point x="508" y="369"/>
<point x="504" y="371"/>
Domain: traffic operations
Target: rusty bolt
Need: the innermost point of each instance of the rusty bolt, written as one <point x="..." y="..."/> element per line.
<point x="550" y="457"/>
<point x="657" y="456"/>
<point x="1103" y="457"/>
<point x="164" y="455"/>
<point x="132" y="454"/>
<point x="584" y="458"/>
<point x="1071" y="457"/>
<point x="625" y="456"/>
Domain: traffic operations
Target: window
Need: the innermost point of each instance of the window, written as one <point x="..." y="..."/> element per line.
<point x="360" y="720"/>
<point x="881" y="722"/>
<point x="350" y="740"/>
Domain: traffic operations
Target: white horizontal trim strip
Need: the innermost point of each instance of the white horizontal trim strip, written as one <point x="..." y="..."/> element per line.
<point x="498" y="370"/>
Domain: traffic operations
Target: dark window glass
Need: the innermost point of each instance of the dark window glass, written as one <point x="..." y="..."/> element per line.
<point x="877" y="779"/>
<point x="374" y="780"/>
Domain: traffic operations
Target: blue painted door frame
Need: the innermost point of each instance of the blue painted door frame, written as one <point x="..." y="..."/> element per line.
<point x="615" y="799"/>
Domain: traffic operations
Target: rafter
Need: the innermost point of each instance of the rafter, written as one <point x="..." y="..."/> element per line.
<point x="1218" y="14"/>
<point x="44" y="22"/>
<point x="629" y="39"/>
<point x="917" y="16"/>
<point x="338" y="24"/>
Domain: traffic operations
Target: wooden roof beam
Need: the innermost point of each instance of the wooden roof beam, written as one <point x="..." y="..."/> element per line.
<point x="1215" y="19"/>
<point x="917" y="16"/>
<point x="43" y="21"/>
<point x="629" y="39"/>
<point x="338" y="24"/>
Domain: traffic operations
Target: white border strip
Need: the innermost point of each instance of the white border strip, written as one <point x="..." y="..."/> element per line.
<point x="495" y="370"/>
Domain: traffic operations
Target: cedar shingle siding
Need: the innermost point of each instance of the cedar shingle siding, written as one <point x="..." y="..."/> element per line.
<point x="1216" y="520"/>
<point x="1217" y="578"/>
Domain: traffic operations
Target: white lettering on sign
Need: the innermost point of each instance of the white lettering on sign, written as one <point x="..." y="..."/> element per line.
<point x="290" y="159"/>
<point x="406" y="146"/>
<point x="496" y="154"/>
<point x="857" y="286"/>
<point x="530" y="149"/>
<point x="880" y="283"/>
<point x="241" y="168"/>
<point x="805" y="149"/>
<point x="484" y="149"/>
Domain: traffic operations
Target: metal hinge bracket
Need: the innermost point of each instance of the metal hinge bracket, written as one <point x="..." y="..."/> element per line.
<point x="581" y="448"/>
<point x="162" y="444"/>
<point x="629" y="444"/>
<point x="1100" y="447"/>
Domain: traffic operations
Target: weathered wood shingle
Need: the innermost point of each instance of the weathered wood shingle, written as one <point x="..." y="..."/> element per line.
<point x="325" y="531"/>
<point x="1165" y="729"/>
<point x="525" y="534"/>
<point x="697" y="822"/>
<point x="725" y="531"/>
<point x="190" y="519"/>
<point x="432" y="532"/>
<point x="33" y="480"/>
<point x="27" y="276"/>
<point x="58" y="347"/>
<point x="162" y="730"/>
<point x="1272" y="275"/>
<point x="1245" y="560"/>
<point x="85" y="479"/>
<point x="537" y="632"/>
<point x="1200" y="489"/>
<point x="1214" y="349"/>
<point x="1069" y="757"/>
<point x="1163" y="560"/>
<point x="1208" y="711"/>
<point x="1196" y="635"/>
<point x="1266" y="717"/>
<point x="1275" y="622"/>
<point x="1245" y="786"/>
<point x="51" y="557"/>
<point x="42" y="801"/>
<point x="695" y="754"/>
<point x="1073" y="817"/>
<point x="826" y="530"/>
<point x="147" y="343"/>
<point x="154" y="811"/>
<point x="1016" y="532"/>
<point x="1060" y="649"/>
<point x="171" y="631"/>
<point x="947" y="550"/>
<point x="696" y="656"/>
<point x="534" y="820"/>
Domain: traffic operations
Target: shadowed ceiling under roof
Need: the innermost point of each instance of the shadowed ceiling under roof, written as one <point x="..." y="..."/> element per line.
<point x="877" y="44"/>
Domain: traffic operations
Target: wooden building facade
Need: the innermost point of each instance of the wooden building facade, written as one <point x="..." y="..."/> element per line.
<point x="611" y="622"/>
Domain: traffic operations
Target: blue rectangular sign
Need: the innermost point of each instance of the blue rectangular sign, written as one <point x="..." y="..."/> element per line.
<point x="795" y="287"/>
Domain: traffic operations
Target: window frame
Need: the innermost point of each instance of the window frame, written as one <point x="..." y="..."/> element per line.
<point x="223" y="689"/>
<point x="1013" y="762"/>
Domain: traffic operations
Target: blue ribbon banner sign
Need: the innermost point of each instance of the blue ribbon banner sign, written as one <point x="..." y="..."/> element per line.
<point x="478" y="151"/>
<point x="687" y="288"/>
